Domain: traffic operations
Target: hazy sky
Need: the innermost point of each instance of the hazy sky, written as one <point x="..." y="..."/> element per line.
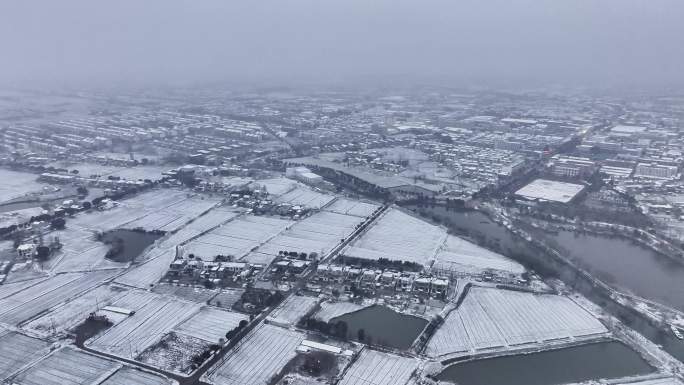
<point x="337" y="41"/>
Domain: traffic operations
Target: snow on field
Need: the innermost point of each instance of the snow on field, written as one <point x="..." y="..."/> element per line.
<point x="210" y="324"/>
<point x="377" y="368"/>
<point x="276" y="186"/>
<point x="399" y="236"/>
<point x="144" y="328"/>
<point x="206" y="222"/>
<point x="259" y="355"/>
<point x="330" y="310"/>
<point x="150" y="272"/>
<point x="352" y="207"/>
<point x="173" y="353"/>
<point x="17" y="350"/>
<point x="16" y="184"/>
<point x="459" y="255"/>
<point x="67" y="366"/>
<point x="70" y="314"/>
<point x="491" y="317"/>
<point x="81" y="252"/>
<point x="292" y="309"/>
<point x="7" y="289"/>
<point x="132" y="376"/>
<point x="318" y="233"/>
<point x="304" y="196"/>
<point x="237" y="237"/>
<point x="190" y="293"/>
<point x="49" y="293"/>
<point x="226" y="298"/>
<point x="657" y="381"/>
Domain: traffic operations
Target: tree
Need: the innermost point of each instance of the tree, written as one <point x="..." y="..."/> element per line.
<point x="58" y="223"/>
<point x="243" y="323"/>
<point x="361" y="335"/>
<point x="81" y="190"/>
<point x="42" y="253"/>
<point x="86" y="205"/>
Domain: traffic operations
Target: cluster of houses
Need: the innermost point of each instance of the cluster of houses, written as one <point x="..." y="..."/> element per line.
<point x="374" y="279"/>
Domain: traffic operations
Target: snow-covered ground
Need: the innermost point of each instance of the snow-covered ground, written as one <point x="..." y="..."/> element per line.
<point x="275" y="186"/>
<point x="259" y="355"/>
<point x="352" y="207"/>
<point x="150" y="272"/>
<point x="292" y="309"/>
<point x="46" y="294"/>
<point x="304" y="196"/>
<point x="132" y="376"/>
<point x="16" y="184"/>
<point x="461" y="256"/>
<point x="17" y="350"/>
<point x="377" y="368"/>
<point x="490" y="318"/>
<point x="330" y="310"/>
<point x="67" y="366"/>
<point x="151" y="321"/>
<point x="657" y="381"/>
<point x="190" y="293"/>
<point x="210" y="324"/>
<point x="399" y="236"/>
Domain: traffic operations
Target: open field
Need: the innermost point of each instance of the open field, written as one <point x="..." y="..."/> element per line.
<point x="148" y="325"/>
<point x="210" y="324"/>
<point x="292" y="309"/>
<point x="303" y="196"/>
<point x="71" y="313"/>
<point x="149" y="272"/>
<point x="190" y="293"/>
<point x="399" y="236"/>
<point x="318" y="233"/>
<point x="174" y="352"/>
<point x="237" y="237"/>
<point x="131" y="376"/>
<point x="490" y="318"/>
<point x="459" y="255"/>
<point x="330" y="310"/>
<point x="376" y="368"/>
<point x="67" y="366"/>
<point x="47" y="294"/>
<point x="258" y="356"/>
<point x="352" y="207"/>
<point x="16" y="184"/>
<point x="80" y="252"/>
<point x="276" y="186"/>
<point x="658" y="381"/>
<point x="226" y="298"/>
<point x="198" y="226"/>
<point x="17" y="350"/>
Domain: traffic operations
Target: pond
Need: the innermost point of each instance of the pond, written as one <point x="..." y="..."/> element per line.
<point x="126" y="245"/>
<point x="602" y="360"/>
<point x="383" y="326"/>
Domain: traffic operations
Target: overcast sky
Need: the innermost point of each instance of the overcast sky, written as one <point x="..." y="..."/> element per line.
<point x="286" y="42"/>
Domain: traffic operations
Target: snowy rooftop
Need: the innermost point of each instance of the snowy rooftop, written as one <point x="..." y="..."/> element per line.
<point x="548" y="190"/>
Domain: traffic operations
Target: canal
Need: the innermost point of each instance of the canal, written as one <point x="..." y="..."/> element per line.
<point x="381" y="325"/>
<point x="604" y="360"/>
<point x="640" y="271"/>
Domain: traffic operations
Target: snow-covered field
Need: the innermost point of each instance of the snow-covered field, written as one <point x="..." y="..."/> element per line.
<point x="318" y="233"/>
<point x="191" y="293"/>
<point x="213" y="218"/>
<point x="151" y="321"/>
<point x="276" y="186"/>
<point x="210" y="324"/>
<point x="16" y="350"/>
<point x="16" y="184"/>
<point x="377" y="368"/>
<point x="70" y="366"/>
<point x="43" y="295"/>
<point x="330" y="310"/>
<point x="226" y="298"/>
<point x="258" y="356"/>
<point x="80" y="252"/>
<point x="352" y="207"/>
<point x="71" y="313"/>
<point x="399" y="236"/>
<point x="174" y="352"/>
<point x="490" y="318"/>
<point x="150" y="272"/>
<point x="237" y="237"/>
<point x="303" y="196"/>
<point x="292" y="309"/>
<point x="459" y="255"/>
<point x="658" y="381"/>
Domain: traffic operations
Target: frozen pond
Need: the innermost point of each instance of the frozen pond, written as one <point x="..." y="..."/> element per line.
<point x="576" y="364"/>
<point x="383" y="326"/>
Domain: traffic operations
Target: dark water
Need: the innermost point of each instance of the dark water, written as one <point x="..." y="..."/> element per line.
<point x="627" y="266"/>
<point x="576" y="364"/>
<point x="500" y="239"/>
<point x="384" y="326"/>
<point x="126" y="245"/>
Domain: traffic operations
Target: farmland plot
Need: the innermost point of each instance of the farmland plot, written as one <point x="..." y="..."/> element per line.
<point x="259" y="355"/>
<point x="190" y="293"/>
<point x="330" y="310"/>
<point x="67" y="366"/>
<point x="144" y="328"/>
<point x="131" y="376"/>
<point x="17" y="350"/>
<point x="276" y="186"/>
<point x="46" y="294"/>
<point x="377" y="368"/>
<point x="459" y="255"/>
<point x="351" y="207"/>
<point x="226" y="298"/>
<point x="71" y="313"/>
<point x="492" y="318"/>
<point x="399" y="236"/>
<point x="303" y="196"/>
<point x="16" y="184"/>
<point x="174" y="352"/>
<point x="292" y="309"/>
<point x="210" y="324"/>
<point x="150" y="272"/>
<point x="206" y="222"/>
